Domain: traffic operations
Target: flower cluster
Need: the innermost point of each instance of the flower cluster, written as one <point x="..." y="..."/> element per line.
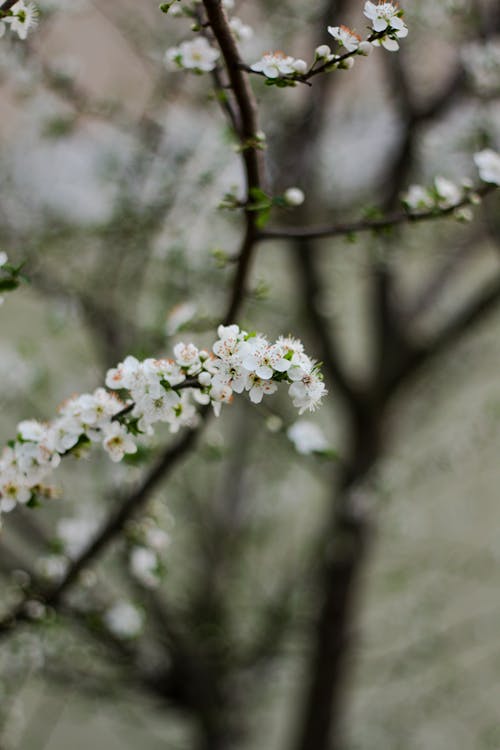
<point x="386" y="28"/>
<point x="387" y="23"/>
<point x="281" y="69"/>
<point x="277" y="65"/>
<point x="198" y="54"/>
<point x="246" y="362"/>
<point x="142" y="393"/>
<point x="443" y="194"/>
<point x="20" y="19"/>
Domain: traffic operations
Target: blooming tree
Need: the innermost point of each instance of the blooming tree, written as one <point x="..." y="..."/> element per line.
<point x="183" y="643"/>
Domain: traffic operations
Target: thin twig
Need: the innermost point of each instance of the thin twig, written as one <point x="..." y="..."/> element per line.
<point x="367" y="225"/>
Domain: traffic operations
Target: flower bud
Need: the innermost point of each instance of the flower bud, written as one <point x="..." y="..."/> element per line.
<point x="346" y="64"/>
<point x="364" y="48"/>
<point x="464" y="214"/>
<point x="294" y="196"/>
<point x="204" y="378"/>
<point x="300" y="66"/>
<point x="323" y="52"/>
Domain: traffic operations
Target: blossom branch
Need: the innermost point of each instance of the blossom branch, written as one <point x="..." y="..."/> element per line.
<point x="367" y="225"/>
<point x="110" y="530"/>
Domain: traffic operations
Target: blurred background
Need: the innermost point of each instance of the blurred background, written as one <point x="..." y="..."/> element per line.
<point x="196" y="628"/>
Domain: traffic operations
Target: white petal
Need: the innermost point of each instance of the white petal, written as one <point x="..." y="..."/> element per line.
<point x="379" y="24"/>
<point x="370" y="10"/>
<point x="390" y="44"/>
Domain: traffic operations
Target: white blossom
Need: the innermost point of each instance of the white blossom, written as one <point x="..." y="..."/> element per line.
<point x="144" y="566"/>
<point x="241" y="30"/>
<point x="75" y="534"/>
<point x="265" y="359"/>
<point x="197" y="55"/>
<point x="179" y="316"/>
<point x="187" y="356"/>
<point x="117" y="442"/>
<point x="417" y="199"/>
<point x="323" y="52"/>
<point x="124" y="620"/>
<point x="294" y="196"/>
<point x="52" y="567"/>
<point x="386" y="17"/>
<point x="258" y="388"/>
<point x="155" y="390"/>
<point x="448" y="194"/>
<point x="307" y="437"/>
<point x="345" y="37"/>
<point x="277" y="64"/>
<point x="488" y="164"/>
<point x="24" y="17"/>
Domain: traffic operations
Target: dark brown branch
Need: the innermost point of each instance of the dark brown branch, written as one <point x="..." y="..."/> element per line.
<point x="249" y="144"/>
<point x="366" y="225"/>
<point x="7" y="5"/>
<point x="312" y="292"/>
<point x="477" y="308"/>
<point x="113" y="526"/>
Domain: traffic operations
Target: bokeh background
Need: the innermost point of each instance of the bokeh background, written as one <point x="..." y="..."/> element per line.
<point x="112" y="168"/>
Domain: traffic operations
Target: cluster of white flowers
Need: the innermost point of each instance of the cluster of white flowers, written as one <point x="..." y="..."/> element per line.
<point x="151" y="391"/>
<point x="198" y="54"/>
<point x="442" y="195"/>
<point x="277" y="65"/>
<point x="386" y="28"/>
<point x="20" y="19"/>
<point x="445" y="194"/>
<point x="387" y="20"/>
<point x="246" y="362"/>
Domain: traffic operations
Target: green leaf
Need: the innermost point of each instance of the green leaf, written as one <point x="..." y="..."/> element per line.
<point x="8" y="285"/>
<point x="262" y="218"/>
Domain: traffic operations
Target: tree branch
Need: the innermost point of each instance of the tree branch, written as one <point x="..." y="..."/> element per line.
<point x="249" y="145"/>
<point x="366" y="225"/>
